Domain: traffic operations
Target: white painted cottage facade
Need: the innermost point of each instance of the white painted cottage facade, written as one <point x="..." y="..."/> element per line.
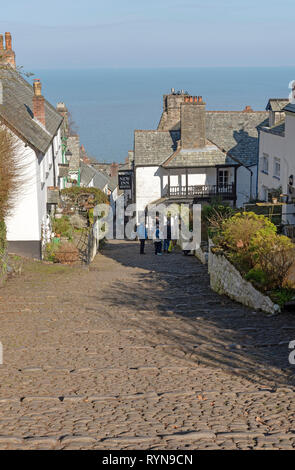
<point x="196" y="155"/>
<point x="276" y="170"/>
<point x="36" y="125"/>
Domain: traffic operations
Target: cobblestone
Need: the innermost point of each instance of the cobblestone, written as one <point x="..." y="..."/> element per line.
<point x="137" y="352"/>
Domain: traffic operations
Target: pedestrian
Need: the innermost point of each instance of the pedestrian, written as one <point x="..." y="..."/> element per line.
<point x="168" y="236"/>
<point x="158" y="237"/>
<point x="142" y="236"/>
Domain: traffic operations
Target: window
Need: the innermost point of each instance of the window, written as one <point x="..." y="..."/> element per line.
<point x="222" y="178"/>
<point x="277" y="168"/>
<point x="264" y="166"/>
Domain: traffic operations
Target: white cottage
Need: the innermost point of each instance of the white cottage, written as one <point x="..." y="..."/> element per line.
<point x="36" y="126"/>
<point x="276" y="169"/>
<point x="196" y="155"/>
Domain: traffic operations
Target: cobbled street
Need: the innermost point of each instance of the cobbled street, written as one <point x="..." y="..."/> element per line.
<point x="136" y="352"/>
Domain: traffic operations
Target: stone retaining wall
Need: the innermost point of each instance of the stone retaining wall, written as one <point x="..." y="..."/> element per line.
<point x="226" y="279"/>
<point x="201" y="255"/>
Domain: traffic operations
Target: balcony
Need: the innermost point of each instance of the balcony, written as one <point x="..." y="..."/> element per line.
<point x="205" y="191"/>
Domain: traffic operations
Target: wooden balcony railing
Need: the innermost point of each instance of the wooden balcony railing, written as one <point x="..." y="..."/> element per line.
<point x="205" y="191"/>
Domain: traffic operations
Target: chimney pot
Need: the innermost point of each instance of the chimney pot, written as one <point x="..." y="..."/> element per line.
<point x="37" y="87"/>
<point x="8" y="41"/>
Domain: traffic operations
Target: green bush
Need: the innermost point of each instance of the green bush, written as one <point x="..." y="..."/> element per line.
<point x="236" y="234"/>
<point x="63" y="227"/>
<point x="50" y="251"/>
<point x="273" y="254"/>
<point x="281" y="296"/>
<point x="213" y="215"/>
<point x="257" y="276"/>
<point x="74" y="192"/>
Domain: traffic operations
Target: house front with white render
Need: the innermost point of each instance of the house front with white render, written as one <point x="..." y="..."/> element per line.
<point x="276" y="170"/>
<point x="196" y="155"/>
<point x="35" y="123"/>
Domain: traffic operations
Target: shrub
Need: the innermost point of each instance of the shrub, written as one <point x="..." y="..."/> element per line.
<point x="236" y="234"/>
<point x="257" y="276"/>
<point x="9" y="184"/>
<point x="63" y="227"/>
<point x="50" y="251"/>
<point x="214" y="215"/>
<point x="273" y="254"/>
<point x="75" y="192"/>
<point x="66" y="253"/>
<point x="281" y="296"/>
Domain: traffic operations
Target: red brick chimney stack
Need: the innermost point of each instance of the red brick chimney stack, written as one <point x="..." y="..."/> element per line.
<point x="38" y="102"/>
<point x="114" y="169"/>
<point x="8" y="41"/>
<point x="7" y="56"/>
<point x="193" y="122"/>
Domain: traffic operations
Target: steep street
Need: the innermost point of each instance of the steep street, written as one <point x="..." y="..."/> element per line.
<point x="136" y="352"/>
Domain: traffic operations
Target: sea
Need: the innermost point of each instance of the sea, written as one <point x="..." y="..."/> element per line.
<point x="107" y="105"/>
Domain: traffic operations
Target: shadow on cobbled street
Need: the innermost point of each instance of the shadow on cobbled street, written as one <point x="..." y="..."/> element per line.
<point x="216" y="331"/>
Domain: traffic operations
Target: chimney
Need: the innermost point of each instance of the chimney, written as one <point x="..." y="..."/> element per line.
<point x="193" y="123"/>
<point x="8" y="41"/>
<point x="248" y="109"/>
<point x="114" y="169"/>
<point x="7" y="55"/>
<point x="38" y="102"/>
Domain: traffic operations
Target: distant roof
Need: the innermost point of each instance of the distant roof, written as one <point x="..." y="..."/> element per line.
<point x="276" y="104"/>
<point x="88" y="173"/>
<point x="16" y="111"/>
<point x="204" y="157"/>
<point x="113" y="183"/>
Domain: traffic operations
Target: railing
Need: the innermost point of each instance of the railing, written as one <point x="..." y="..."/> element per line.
<point x="226" y="191"/>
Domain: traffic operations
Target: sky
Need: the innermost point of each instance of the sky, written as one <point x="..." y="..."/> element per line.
<point x="64" y="34"/>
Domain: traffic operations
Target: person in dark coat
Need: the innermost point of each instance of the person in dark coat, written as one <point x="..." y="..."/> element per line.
<point x="168" y="235"/>
<point x="142" y="236"/>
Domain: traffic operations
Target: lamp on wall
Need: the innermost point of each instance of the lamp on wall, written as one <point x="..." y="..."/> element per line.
<point x="68" y="155"/>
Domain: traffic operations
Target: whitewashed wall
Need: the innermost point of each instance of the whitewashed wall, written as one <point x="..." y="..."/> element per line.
<point x="30" y="209"/>
<point x="273" y="146"/>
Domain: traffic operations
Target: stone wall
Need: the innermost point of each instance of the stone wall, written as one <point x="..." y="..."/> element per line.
<point x="226" y="279"/>
<point x="201" y="255"/>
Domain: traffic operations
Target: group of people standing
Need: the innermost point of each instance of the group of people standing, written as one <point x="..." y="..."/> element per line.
<point x="161" y="241"/>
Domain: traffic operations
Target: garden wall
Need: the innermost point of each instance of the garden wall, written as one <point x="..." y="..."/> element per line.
<point x="226" y="279"/>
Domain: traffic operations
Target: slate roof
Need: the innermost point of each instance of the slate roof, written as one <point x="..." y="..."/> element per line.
<point x="290" y="108"/>
<point x="113" y="183"/>
<point x="208" y="156"/>
<point x="277" y="104"/>
<point x="88" y="173"/>
<point x="233" y="132"/>
<point x="277" y="129"/>
<point x="16" y="111"/>
<point x="154" y="147"/>
<point x="236" y="133"/>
